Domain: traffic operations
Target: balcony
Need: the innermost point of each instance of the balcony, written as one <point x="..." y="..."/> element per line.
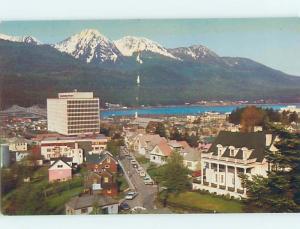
<point x="227" y="159"/>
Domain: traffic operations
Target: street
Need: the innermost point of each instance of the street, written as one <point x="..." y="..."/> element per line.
<point x="146" y="193"/>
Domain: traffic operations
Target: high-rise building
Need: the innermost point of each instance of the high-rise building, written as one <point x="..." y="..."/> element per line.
<point x="74" y="113"/>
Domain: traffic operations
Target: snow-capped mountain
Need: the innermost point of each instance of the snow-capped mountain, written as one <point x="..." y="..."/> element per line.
<point x="24" y="39"/>
<point x="90" y="46"/>
<point x="195" y="52"/>
<point x="129" y="45"/>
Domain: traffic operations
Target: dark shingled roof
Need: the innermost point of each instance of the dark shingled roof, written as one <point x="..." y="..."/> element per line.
<point x="253" y="140"/>
<point x="89" y="200"/>
<point x="97" y="158"/>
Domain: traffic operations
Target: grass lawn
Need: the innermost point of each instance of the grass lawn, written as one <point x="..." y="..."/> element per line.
<point x="54" y="195"/>
<point x="142" y="160"/>
<point x="57" y="202"/>
<point x="205" y="202"/>
<point x="122" y="182"/>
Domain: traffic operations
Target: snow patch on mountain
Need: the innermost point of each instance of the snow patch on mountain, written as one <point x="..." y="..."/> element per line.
<point x="89" y="45"/>
<point x="23" y="39"/>
<point x="129" y="45"/>
<point x="195" y="52"/>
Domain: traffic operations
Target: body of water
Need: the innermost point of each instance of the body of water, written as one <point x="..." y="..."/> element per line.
<point x="180" y="110"/>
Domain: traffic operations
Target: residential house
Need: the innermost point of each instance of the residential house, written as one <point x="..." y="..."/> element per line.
<point x="144" y="143"/>
<point x="60" y="169"/>
<point x="192" y="159"/>
<point x="102" y="182"/>
<point x="84" y="205"/>
<point x="160" y="153"/>
<point x="73" y="147"/>
<point x="101" y="162"/>
<point x="17" y="144"/>
<point x="232" y="154"/>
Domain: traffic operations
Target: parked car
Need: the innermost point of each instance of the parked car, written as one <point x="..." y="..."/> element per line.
<point x="142" y="173"/>
<point x="148" y="182"/>
<point x="124" y="206"/>
<point x="133" y="162"/>
<point x="147" y="178"/>
<point x="131" y="195"/>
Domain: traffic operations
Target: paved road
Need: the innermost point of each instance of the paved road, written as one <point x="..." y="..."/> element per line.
<point x="146" y="193"/>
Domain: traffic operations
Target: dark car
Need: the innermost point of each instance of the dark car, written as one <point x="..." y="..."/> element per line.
<point x="124" y="206"/>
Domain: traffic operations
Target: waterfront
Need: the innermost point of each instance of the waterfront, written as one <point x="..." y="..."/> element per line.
<point x="180" y="110"/>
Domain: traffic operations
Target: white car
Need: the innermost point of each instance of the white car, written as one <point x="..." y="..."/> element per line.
<point x="131" y="195"/>
<point x="142" y="173"/>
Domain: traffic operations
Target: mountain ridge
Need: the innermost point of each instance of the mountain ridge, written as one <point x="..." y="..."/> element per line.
<point x="199" y="74"/>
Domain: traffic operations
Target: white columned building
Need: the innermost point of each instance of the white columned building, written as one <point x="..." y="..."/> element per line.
<point x="233" y="154"/>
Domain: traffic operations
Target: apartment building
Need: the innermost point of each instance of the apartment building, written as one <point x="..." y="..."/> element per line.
<point x="74" y="113"/>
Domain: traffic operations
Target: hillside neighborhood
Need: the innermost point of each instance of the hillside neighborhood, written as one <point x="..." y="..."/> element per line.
<point x="68" y="161"/>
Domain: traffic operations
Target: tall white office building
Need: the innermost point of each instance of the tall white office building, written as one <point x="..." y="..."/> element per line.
<point x="74" y="113"/>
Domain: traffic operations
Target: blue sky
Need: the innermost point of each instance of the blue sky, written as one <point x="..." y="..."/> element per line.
<point x="274" y="42"/>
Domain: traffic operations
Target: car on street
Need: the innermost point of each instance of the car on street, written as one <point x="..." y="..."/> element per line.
<point x="124" y="206"/>
<point x="148" y="182"/>
<point x="133" y="162"/>
<point x="142" y="173"/>
<point x="131" y="195"/>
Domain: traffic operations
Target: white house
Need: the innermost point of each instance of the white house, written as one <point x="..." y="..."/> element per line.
<point x="17" y="144"/>
<point x="72" y="147"/>
<point x="160" y="153"/>
<point x="143" y="144"/>
<point x="84" y="205"/>
<point x="232" y="154"/>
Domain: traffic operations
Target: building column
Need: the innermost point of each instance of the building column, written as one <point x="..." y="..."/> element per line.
<point x="209" y="166"/>
<point x="218" y="176"/>
<point x="244" y="174"/>
<point x="226" y="172"/>
<point x="202" y="174"/>
<point x="235" y="179"/>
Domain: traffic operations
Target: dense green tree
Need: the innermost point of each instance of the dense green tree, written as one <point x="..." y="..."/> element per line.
<point x="175" y="174"/>
<point x="175" y="135"/>
<point x="192" y="140"/>
<point x="293" y="117"/>
<point x="161" y="129"/>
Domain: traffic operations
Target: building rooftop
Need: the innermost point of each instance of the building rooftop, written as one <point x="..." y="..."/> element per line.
<point x="256" y="141"/>
<point x="90" y="200"/>
<point x="74" y="138"/>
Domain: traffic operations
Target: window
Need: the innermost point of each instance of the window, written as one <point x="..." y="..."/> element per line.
<point x="222" y="178"/>
<point x="107" y="166"/>
<point x="231" y="152"/>
<point x="108" y="191"/>
<point x="189" y="164"/>
<point x="48" y="150"/>
<point x="105" y="179"/>
<point x="216" y="177"/>
<point x="59" y="166"/>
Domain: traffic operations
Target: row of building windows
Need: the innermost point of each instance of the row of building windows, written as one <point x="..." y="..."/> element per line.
<point x="94" y="121"/>
<point x="83" y="127"/>
<point x="94" y="101"/>
<point x="88" y="130"/>
<point x="83" y="110"/>
<point x="82" y="118"/>
<point x="81" y="114"/>
<point x="84" y="106"/>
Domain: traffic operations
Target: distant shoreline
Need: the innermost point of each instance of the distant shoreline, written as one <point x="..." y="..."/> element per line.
<point x="199" y="105"/>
